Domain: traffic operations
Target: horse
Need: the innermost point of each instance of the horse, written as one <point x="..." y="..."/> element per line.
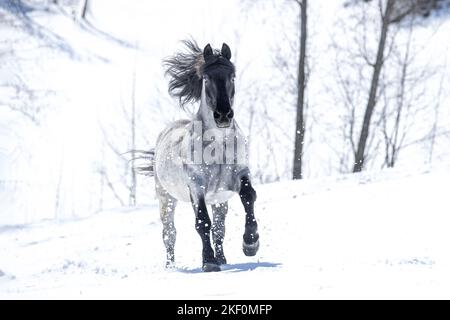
<point x="188" y="159"/>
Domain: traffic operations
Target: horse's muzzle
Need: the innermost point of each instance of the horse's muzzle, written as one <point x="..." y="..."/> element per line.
<point x="223" y="120"/>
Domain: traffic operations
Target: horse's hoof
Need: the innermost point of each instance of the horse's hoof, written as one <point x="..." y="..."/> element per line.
<point x="211" y="267"/>
<point x="170" y="264"/>
<point x="250" y="249"/>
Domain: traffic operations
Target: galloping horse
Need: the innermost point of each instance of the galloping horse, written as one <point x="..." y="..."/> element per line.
<point x="204" y="160"/>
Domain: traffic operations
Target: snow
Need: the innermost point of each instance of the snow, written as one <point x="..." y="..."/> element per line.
<point x="379" y="235"/>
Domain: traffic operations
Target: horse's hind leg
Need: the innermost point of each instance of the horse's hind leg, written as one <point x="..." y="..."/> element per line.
<point x="167" y="211"/>
<point x="218" y="230"/>
<point x="167" y="205"/>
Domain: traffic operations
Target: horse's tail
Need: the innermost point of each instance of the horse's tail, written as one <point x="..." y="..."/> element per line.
<point x="184" y="69"/>
<point x="144" y="162"/>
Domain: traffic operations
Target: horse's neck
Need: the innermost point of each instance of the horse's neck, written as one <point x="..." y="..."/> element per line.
<point x="205" y="115"/>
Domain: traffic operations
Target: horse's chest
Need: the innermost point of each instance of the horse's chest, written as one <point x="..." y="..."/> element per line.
<point x="218" y="182"/>
<point x="219" y="177"/>
<point x="218" y="197"/>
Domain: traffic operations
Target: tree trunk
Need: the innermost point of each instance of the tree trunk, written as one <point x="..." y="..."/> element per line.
<point x="301" y="84"/>
<point x="372" y="101"/>
<point x="83" y="9"/>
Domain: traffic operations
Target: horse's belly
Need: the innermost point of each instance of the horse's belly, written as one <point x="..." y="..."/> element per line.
<point x="218" y="197"/>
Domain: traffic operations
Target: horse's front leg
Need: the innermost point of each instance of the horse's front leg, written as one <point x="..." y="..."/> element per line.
<point x="251" y="236"/>
<point x="203" y="227"/>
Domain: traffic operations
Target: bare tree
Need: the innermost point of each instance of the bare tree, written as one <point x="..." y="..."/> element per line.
<point x="349" y="83"/>
<point x="390" y="12"/>
<point x="16" y="94"/>
<point x="286" y="90"/>
<point x="402" y="97"/>
<point x="301" y="87"/>
<point x="386" y="20"/>
<point x="120" y="139"/>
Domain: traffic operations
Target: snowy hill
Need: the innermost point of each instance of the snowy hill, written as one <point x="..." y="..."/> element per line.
<point x="358" y="236"/>
<point x="78" y="80"/>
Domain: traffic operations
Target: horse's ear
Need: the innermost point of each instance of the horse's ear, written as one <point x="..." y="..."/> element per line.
<point x="226" y="52"/>
<point x="208" y="51"/>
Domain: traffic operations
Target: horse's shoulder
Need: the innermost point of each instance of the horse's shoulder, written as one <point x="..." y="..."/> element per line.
<point x="173" y="126"/>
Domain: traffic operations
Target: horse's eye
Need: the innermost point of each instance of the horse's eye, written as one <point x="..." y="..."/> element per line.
<point x="232" y="80"/>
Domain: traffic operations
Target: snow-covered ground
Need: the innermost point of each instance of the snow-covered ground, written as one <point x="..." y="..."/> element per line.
<point x="358" y="236"/>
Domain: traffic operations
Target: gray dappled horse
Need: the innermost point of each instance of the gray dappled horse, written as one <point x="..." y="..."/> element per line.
<point x="188" y="160"/>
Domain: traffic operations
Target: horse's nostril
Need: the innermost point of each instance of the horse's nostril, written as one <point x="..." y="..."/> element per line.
<point x="230" y="114"/>
<point x="216" y="115"/>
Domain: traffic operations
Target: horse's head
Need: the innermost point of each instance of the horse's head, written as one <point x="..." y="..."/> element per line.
<point x="218" y="84"/>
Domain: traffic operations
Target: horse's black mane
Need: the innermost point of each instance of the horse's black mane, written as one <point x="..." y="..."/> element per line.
<point x="186" y="70"/>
